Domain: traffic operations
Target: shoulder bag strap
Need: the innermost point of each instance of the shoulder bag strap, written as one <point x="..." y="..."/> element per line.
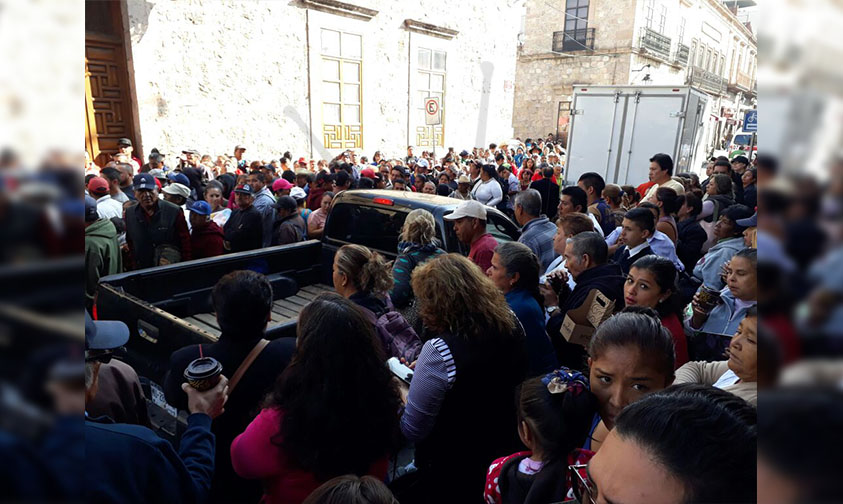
<point x="247" y="362"/>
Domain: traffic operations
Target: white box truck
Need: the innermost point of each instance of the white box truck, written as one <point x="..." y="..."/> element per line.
<point x="615" y="130"/>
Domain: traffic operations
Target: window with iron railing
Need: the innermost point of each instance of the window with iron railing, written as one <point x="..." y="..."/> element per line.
<point x="655" y="42"/>
<point x="682" y="54"/>
<point x="575" y="40"/>
<point x="575" y="36"/>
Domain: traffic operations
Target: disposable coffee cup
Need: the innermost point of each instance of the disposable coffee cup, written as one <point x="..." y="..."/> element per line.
<point x="708" y="298"/>
<point x="203" y="373"/>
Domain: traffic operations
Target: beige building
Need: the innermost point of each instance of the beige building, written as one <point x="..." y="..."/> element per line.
<point x="648" y="42"/>
<point x="312" y="77"/>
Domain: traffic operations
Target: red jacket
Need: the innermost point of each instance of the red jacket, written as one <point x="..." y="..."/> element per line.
<point x="314" y="197"/>
<point x="206" y="241"/>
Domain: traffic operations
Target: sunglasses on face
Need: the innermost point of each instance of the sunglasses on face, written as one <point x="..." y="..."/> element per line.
<point x="103" y="356"/>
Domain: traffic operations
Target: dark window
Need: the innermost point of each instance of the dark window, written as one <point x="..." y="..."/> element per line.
<point x="376" y="228"/>
<point x="500" y="228"/>
<point x="576" y="25"/>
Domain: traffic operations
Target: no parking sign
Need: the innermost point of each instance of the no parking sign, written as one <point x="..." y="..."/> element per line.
<point x="432" y="111"/>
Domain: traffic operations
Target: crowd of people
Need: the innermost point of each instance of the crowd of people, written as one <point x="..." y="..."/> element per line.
<point x="657" y="404"/>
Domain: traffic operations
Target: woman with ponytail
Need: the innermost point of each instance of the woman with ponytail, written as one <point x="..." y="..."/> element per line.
<point x="364" y="277"/>
<point x="618" y="202"/>
<point x="515" y="272"/>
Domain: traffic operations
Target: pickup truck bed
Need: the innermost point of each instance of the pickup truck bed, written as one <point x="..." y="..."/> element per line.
<point x="283" y="310"/>
<point x="169" y="307"/>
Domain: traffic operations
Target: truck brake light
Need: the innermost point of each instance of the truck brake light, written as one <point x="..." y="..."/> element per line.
<point x="384" y="201"/>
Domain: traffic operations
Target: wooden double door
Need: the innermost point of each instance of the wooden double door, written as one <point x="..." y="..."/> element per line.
<point x="108" y="101"/>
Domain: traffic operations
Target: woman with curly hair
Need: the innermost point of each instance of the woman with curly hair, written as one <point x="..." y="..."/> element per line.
<point x="460" y="407"/>
<point x="332" y="411"/>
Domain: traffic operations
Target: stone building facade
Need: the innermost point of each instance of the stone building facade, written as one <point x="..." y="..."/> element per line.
<point x="312" y="77"/>
<point x="630" y="42"/>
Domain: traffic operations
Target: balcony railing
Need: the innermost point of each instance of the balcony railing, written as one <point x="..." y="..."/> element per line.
<point x="744" y="81"/>
<point x="707" y="81"/>
<point x="681" y="54"/>
<point x="573" y="40"/>
<point x="655" y="42"/>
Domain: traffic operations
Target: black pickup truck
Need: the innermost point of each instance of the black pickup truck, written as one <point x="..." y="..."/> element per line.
<point x="168" y="307"/>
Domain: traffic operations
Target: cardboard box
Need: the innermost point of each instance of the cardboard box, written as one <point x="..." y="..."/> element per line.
<point x="580" y="323"/>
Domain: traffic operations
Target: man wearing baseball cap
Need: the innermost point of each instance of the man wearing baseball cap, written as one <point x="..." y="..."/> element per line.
<point x="102" y="249"/>
<point x="469" y="220"/>
<point x="206" y="237"/>
<point x="156" y="162"/>
<point x="463" y="190"/>
<point x="244" y="229"/>
<point x="238" y="155"/>
<point x="289" y="227"/>
<point x="124" y="146"/>
<point x="156" y="230"/>
<point x="132" y="463"/>
<point x="98" y="188"/>
<point x="177" y="192"/>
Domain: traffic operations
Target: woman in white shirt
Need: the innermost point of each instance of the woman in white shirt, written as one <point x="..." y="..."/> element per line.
<point x="488" y="191"/>
<point x="738" y="374"/>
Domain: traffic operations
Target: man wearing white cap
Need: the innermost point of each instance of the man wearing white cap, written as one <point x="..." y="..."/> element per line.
<point x="463" y="190"/>
<point x="178" y="194"/>
<point x="470" y="227"/>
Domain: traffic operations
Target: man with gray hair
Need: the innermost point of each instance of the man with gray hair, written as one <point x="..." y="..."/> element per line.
<point x="587" y="261"/>
<point x="537" y="231"/>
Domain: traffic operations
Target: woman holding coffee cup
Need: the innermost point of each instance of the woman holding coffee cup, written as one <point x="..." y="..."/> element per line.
<point x="722" y="315"/>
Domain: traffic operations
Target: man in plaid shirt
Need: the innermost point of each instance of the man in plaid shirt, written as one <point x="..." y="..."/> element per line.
<point x="536" y="230"/>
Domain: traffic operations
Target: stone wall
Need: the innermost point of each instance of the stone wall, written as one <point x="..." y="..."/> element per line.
<point x="545" y="78"/>
<point x="211" y="74"/>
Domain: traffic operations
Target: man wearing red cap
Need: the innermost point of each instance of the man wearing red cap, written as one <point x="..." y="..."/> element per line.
<point x="106" y="206"/>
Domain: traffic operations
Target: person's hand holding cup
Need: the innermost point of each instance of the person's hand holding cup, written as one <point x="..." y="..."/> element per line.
<point x="704" y="300"/>
<point x="211" y="401"/>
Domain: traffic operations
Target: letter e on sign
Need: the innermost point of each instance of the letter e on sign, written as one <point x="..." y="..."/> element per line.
<point x="432" y="111"/>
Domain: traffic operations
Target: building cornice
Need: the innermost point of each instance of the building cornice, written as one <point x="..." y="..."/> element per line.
<point x="341" y="8"/>
<point x="726" y="13"/>
<point x="430" y="29"/>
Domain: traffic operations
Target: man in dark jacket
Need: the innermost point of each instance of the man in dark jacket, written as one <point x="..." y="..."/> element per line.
<point x="549" y="191"/>
<point x="242" y="301"/>
<point x="156" y="231"/>
<point x="586" y="258"/>
<point x="244" y="229"/>
<point x="130" y="463"/>
<point x="289" y="227"/>
<point x="206" y="238"/>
